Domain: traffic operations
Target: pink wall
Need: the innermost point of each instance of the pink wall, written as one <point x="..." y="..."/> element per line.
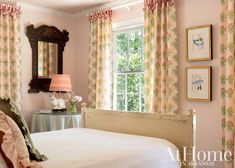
<point x="189" y="13"/>
<point x="193" y="13"/>
<point x="81" y="56"/>
<point x="33" y="102"/>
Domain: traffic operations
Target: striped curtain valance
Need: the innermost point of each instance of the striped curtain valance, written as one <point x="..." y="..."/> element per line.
<point x="7" y="9"/>
<point x="152" y="5"/>
<point x="107" y="14"/>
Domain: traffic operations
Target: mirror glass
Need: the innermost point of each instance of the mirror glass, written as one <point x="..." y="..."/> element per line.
<point x="47" y="59"/>
<point x="47" y="43"/>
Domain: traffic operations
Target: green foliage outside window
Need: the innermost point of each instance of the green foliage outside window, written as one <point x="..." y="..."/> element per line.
<point x="128" y="53"/>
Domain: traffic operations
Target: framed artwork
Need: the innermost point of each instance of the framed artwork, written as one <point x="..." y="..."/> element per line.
<point x="199" y="43"/>
<point x="198" y="83"/>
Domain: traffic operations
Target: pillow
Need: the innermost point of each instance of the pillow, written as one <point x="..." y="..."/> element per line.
<point x="13" y="147"/>
<point x="3" y="163"/>
<point x="6" y="107"/>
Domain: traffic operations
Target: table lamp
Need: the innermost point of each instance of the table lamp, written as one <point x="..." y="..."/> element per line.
<point x="59" y="83"/>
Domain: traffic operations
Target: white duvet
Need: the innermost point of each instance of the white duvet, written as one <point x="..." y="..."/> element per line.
<point x="90" y="148"/>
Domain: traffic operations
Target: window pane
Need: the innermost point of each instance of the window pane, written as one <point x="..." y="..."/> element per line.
<point x="120" y="102"/>
<point x="142" y="82"/>
<point x="133" y="102"/>
<point x="142" y="103"/>
<point x="135" y="42"/>
<point x="122" y="50"/>
<point x="135" y="62"/>
<point x="133" y="83"/>
<point x="121" y="83"/>
<point x="135" y="51"/>
<point x="121" y="63"/>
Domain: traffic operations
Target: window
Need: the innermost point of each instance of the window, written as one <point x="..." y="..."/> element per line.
<point x="129" y="70"/>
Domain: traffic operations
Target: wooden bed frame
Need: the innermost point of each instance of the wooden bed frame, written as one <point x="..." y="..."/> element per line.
<point x="178" y="129"/>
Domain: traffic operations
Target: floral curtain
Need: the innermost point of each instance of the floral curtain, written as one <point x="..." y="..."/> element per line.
<point x="227" y="52"/>
<point x="10" y="60"/>
<point x="160" y="56"/>
<point x="100" y="86"/>
<point x="47" y="53"/>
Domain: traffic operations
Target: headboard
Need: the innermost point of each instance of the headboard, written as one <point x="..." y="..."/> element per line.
<point x="178" y="129"/>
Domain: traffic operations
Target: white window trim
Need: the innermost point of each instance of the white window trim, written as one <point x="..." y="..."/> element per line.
<point x="137" y="22"/>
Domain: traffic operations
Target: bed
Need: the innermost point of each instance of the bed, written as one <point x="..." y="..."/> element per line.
<point x="90" y="148"/>
<point x="119" y="140"/>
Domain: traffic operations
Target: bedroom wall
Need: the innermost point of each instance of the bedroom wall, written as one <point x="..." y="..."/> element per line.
<point x="189" y="13"/>
<point x="34" y="15"/>
<point x="194" y="13"/>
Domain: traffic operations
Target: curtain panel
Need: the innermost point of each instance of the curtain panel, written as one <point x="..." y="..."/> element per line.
<point x="46" y="58"/>
<point x="160" y="56"/>
<point x="100" y="79"/>
<point x="227" y="66"/>
<point x="10" y="50"/>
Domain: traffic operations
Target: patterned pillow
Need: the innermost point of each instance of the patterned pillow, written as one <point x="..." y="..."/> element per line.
<point x="6" y="107"/>
<point x="13" y="147"/>
<point x="4" y="161"/>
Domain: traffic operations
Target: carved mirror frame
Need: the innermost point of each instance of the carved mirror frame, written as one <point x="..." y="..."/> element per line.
<point x="46" y="34"/>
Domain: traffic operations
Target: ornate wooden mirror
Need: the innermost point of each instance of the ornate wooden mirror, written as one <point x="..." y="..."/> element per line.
<point x="47" y="43"/>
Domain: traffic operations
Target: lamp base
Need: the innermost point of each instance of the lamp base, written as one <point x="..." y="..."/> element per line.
<point x="58" y="110"/>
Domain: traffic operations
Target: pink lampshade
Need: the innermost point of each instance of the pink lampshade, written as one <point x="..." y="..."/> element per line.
<point x="61" y="82"/>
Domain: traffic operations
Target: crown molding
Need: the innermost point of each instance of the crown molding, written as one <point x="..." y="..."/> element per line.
<point x="45" y="10"/>
<point x="112" y="5"/>
<point x="10" y="2"/>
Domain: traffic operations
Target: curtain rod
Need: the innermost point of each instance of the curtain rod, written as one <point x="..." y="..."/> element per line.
<point x="10" y="2"/>
<point x="126" y="5"/>
<point x="115" y="5"/>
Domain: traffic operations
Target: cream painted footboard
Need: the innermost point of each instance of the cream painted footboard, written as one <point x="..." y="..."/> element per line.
<point x="178" y="129"/>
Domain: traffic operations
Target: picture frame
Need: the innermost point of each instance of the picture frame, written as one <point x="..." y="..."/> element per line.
<point x="199" y="43"/>
<point x="198" y="83"/>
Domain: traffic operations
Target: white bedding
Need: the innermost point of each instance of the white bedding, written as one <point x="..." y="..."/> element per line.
<point x="90" y="148"/>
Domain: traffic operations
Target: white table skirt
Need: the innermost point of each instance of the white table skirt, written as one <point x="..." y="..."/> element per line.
<point x="50" y="122"/>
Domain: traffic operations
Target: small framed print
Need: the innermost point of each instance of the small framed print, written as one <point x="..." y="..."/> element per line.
<point x="199" y="43"/>
<point x="198" y="83"/>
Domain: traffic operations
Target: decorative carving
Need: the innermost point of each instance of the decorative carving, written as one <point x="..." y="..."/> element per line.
<point x="47" y="34"/>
